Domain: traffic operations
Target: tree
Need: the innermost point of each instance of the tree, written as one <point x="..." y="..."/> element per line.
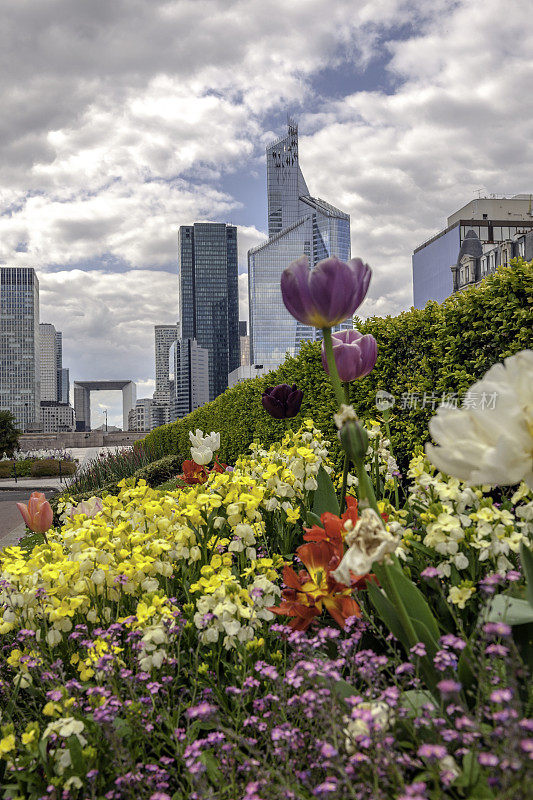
<point x="9" y="434"/>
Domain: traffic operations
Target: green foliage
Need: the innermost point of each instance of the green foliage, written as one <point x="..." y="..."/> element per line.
<point x="50" y="466"/>
<point x="159" y="471"/>
<point x="38" y="468"/>
<point x="9" y="434"/>
<point x="439" y="349"/>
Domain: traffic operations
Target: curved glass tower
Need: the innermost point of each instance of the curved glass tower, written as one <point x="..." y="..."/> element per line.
<point x="298" y="224"/>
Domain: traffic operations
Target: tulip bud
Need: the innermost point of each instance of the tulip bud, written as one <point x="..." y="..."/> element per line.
<point x="38" y="514"/>
<point x="355" y="354"/>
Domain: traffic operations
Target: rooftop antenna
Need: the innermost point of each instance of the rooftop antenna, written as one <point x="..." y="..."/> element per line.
<point x="479" y="191"/>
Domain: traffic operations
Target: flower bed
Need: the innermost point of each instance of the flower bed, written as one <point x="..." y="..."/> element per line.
<point x="140" y="654"/>
<point x="273" y="630"/>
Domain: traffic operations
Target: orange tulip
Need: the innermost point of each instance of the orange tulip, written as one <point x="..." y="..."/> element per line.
<point x="313" y="588"/>
<point x="38" y="514"/>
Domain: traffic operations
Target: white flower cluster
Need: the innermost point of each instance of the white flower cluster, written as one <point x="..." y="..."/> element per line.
<point x="458" y="518"/>
<point x="288" y="470"/>
<point x="227" y="611"/>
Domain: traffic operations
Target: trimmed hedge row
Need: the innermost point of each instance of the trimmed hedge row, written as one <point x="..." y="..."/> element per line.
<point x="38" y="468"/>
<point x="422" y="354"/>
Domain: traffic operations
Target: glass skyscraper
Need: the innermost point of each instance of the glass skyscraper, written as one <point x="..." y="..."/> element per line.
<point x="20" y="383"/>
<point x="298" y="224"/>
<point x="209" y="296"/>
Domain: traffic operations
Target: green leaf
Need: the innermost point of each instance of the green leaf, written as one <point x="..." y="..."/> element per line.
<point x="526" y="556"/>
<point x="512" y="610"/>
<point x="465" y="672"/>
<point x="211" y="765"/>
<point x="325" y="498"/>
<point x="343" y="689"/>
<point x="412" y="598"/>
<point x="387" y="613"/>
<point x="414" y="699"/>
<point x="313" y="519"/>
<point x="76" y="754"/>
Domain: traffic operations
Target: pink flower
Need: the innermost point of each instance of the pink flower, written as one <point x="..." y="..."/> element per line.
<point x="38" y="514"/>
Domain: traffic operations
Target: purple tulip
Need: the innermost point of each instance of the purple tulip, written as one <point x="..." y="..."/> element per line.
<point x="328" y="294"/>
<point x="355" y="354"/>
<point x="282" y="401"/>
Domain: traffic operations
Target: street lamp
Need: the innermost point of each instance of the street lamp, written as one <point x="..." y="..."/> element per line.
<point x="105" y="412"/>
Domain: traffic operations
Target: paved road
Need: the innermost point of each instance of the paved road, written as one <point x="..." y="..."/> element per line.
<point x="10" y="518"/>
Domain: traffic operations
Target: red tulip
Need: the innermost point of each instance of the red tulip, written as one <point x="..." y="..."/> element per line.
<point x="38" y="514"/>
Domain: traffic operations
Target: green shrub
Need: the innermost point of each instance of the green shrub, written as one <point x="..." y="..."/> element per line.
<point x="5" y="469"/>
<point x="47" y="467"/>
<point x="159" y="471"/>
<point x="438" y="349"/>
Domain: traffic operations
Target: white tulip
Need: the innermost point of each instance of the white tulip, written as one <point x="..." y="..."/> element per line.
<point x="493" y="442"/>
<point x="201" y="455"/>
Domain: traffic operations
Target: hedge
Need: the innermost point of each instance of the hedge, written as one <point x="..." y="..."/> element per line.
<point x="440" y="349"/>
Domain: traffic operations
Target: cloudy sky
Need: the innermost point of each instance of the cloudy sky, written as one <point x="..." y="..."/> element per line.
<point x="123" y="119"/>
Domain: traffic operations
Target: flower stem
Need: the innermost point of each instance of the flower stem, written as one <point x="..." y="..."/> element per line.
<point x="346" y="388"/>
<point x="333" y="374"/>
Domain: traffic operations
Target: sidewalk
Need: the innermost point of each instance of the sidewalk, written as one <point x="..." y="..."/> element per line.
<point x="29" y="484"/>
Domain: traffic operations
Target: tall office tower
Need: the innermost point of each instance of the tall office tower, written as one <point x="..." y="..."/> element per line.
<point x="209" y="296"/>
<point x="189" y="366"/>
<point x="165" y="336"/>
<point x="51" y="358"/>
<point x="298" y="225"/>
<point x="20" y="383"/>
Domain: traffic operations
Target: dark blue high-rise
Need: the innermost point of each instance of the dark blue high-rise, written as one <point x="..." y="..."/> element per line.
<point x="209" y="296"/>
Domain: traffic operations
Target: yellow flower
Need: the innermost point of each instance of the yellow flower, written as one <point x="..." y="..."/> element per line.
<point x="29" y="737"/>
<point x="7" y="744"/>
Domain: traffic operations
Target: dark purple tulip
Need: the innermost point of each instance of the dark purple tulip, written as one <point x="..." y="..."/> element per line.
<point x="328" y="294"/>
<point x="282" y="401"/>
<point x="355" y="354"/>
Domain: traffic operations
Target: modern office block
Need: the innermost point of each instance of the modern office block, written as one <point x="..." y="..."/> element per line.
<point x="493" y="221"/>
<point x="140" y="417"/>
<point x="56" y="417"/>
<point x="298" y="225"/>
<point x="51" y="351"/>
<point x="190" y="371"/>
<point x="63" y="386"/>
<point x="165" y="336"/>
<point x="209" y="296"/>
<point x="20" y="384"/>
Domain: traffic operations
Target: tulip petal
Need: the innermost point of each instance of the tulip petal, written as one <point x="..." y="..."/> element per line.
<point x="25" y="514"/>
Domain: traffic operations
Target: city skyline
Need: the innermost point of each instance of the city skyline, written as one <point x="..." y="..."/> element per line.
<point x="118" y="128"/>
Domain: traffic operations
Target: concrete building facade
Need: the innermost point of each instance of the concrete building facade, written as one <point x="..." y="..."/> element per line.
<point x="493" y="220"/>
<point x="57" y="417"/>
<point x="82" y="400"/>
<point x="20" y="381"/>
<point x="165" y="336"/>
<point x="190" y="371"/>
<point x="475" y="262"/>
